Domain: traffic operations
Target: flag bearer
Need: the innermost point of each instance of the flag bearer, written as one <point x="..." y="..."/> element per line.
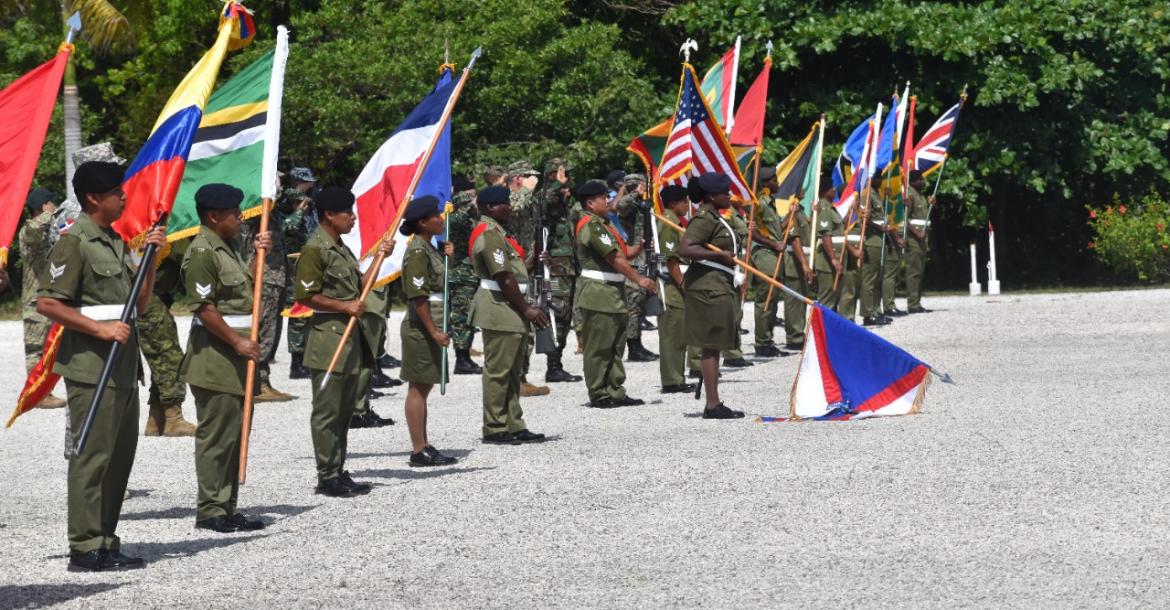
<point x="219" y="284"/>
<point x="798" y="275"/>
<point x="827" y="259"/>
<point x="501" y="311"/>
<point x="423" y="340"/>
<point x="328" y="282"/>
<point x="871" y="265"/>
<point x="918" y="248"/>
<point x="672" y="347"/>
<point x="768" y="238"/>
<point x="601" y="297"/>
<point x="84" y="289"/>
<point x="710" y="287"/>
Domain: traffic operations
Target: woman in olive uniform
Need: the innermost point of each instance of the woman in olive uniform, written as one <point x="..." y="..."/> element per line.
<point x="422" y="340"/>
<point x="709" y="286"/>
<point x="219" y="284"/>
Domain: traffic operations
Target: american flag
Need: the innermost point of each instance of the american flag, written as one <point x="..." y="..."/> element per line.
<point x="932" y="148"/>
<point x="696" y="144"/>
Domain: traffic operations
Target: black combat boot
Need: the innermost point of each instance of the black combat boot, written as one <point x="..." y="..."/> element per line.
<point x="464" y="365"/>
<point x="637" y="353"/>
<point x="296" y="369"/>
<point x="556" y="371"/>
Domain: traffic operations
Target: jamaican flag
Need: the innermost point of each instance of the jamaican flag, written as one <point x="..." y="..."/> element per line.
<point x="797" y="173"/>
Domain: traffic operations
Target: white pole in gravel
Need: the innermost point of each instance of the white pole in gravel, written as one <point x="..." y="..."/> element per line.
<point x="992" y="273"/>
<point x="974" y="286"/>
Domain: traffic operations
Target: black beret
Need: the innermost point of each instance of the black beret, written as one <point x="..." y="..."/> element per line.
<point x="694" y="193"/>
<point x="421" y="207"/>
<point x="591" y="188"/>
<point x="715" y="183"/>
<point x="218" y="197"/>
<point x="616" y="175"/>
<point x="915" y="175"/>
<point x="672" y="193"/>
<point x="767" y="172"/>
<point x="334" y="199"/>
<point x="461" y="183"/>
<point x="493" y="195"/>
<point x="37" y="198"/>
<point x="96" y="177"/>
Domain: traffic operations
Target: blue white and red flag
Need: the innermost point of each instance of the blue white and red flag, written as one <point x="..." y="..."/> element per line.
<point x="931" y="150"/>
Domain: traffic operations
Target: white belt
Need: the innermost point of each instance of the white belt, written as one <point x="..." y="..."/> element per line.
<point x="840" y="239"/>
<point x="878" y="223"/>
<point x="853" y="238"/>
<point x="235" y="322"/>
<point x="603" y="276"/>
<point x="721" y="267"/>
<point x="807" y="249"/>
<point x="920" y="223"/>
<point x="493" y="285"/>
<point x="105" y="313"/>
<point x="435" y="297"/>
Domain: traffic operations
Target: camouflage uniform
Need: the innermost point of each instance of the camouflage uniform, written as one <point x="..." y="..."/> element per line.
<point x="462" y="280"/>
<point x="563" y="214"/>
<point x="522" y="227"/>
<point x="275" y="283"/>
<point x="633" y="219"/>
<point x="297" y="226"/>
<point x="34" y="253"/>
<point x="158" y="335"/>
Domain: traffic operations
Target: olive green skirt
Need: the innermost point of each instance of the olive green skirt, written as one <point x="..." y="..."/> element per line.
<point x="710" y="319"/>
<point x="421" y="357"/>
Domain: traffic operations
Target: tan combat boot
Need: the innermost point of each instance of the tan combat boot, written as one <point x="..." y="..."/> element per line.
<point x="50" y="402"/>
<point x="156" y="420"/>
<point x="527" y="389"/>
<point x="174" y="424"/>
<point x="271" y="394"/>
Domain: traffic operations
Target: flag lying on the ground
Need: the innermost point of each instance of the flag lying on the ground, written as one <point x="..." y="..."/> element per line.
<point x="931" y="151"/>
<point x="847" y="372"/>
<point x="651" y="144"/>
<point x="696" y="144"/>
<point x="383" y="185"/>
<point x="41" y="380"/>
<point x="153" y="179"/>
<point x="797" y="173"/>
<point x="26" y="105"/>
<point x="230" y="142"/>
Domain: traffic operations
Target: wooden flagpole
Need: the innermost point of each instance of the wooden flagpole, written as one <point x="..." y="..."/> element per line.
<point x="254" y="336"/>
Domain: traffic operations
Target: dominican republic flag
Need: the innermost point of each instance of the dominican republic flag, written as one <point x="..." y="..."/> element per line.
<point x="382" y="187"/>
<point x="847" y="372"/>
<point x="931" y="150"/>
<point x="154" y="177"/>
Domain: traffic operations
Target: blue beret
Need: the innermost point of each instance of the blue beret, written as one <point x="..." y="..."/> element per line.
<point x="493" y="195"/>
<point x="592" y="188"/>
<point x="715" y="183"/>
<point x="672" y="193"/>
<point x="218" y="196"/>
<point x="334" y="199"/>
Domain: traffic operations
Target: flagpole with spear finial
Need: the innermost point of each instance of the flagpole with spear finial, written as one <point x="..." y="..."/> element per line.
<point x="380" y="256"/>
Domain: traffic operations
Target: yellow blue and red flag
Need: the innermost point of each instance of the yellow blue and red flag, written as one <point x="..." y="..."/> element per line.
<point x="154" y="177"/>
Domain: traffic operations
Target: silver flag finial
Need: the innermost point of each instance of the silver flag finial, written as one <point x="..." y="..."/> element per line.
<point x="687" y="47"/>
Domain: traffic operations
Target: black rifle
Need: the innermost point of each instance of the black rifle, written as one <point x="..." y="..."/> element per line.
<point x="127" y="317"/>
<point x="546" y="338"/>
<point x="654" y="260"/>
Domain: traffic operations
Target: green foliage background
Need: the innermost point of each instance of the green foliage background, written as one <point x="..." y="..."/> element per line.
<point x="1069" y="100"/>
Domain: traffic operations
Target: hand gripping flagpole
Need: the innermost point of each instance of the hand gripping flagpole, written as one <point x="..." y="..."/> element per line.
<point x="115" y="347"/>
<point x="422" y="166"/>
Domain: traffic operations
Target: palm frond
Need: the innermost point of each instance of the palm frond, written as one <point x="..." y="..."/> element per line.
<point x="104" y="26"/>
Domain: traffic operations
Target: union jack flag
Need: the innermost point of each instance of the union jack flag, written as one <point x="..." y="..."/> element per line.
<point x="696" y="144"/>
<point x="932" y="148"/>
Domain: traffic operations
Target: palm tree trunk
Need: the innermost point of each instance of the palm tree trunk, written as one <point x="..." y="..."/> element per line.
<point x="72" y="111"/>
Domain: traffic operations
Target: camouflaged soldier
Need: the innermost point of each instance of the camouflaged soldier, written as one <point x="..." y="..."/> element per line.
<point x="520" y="180"/>
<point x="631" y="209"/>
<point x="158" y="336"/>
<point x="34" y="254"/>
<point x="462" y="281"/>
<point x="273" y="295"/>
<point x="562" y="215"/>
<point x="299" y="224"/>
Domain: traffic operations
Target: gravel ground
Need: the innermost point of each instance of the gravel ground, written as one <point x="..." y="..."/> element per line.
<point x="1041" y="479"/>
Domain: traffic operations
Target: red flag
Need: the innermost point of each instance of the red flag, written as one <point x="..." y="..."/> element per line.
<point x="25" y="108"/>
<point x="749" y="119"/>
<point x="42" y="379"/>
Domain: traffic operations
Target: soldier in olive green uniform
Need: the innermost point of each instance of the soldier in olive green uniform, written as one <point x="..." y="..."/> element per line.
<point x="461" y="279"/>
<point x="710" y="285"/>
<point x="798" y="275"/>
<point x="423" y="341"/>
<point x="159" y="339"/>
<point x="875" y="228"/>
<point x="218" y="350"/>
<point x="502" y="313"/>
<point x="737" y="220"/>
<point x="892" y="250"/>
<point x="918" y="246"/>
<point x="827" y="259"/>
<point x="768" y="242"/>
<point x="671" y="344"/>
<point x="34" y="253"/>
<point x="561" y="216"/>
<point x="600" y="294"/>
<point x="850" y="281"/>
<point x="85" y="289"/>
<point x="328" y="282"/>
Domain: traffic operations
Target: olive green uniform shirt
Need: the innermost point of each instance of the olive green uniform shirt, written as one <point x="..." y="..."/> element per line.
<point x="492" y="254"/>
<point x="327" y="267"/>
<point x="595" y="242"/>
<point x="422" y="276"/>
<point x="214" y="273"/>
<point x="706" y="227"/>
<point x="669" y="240"/>
<point x="800" y="229"/>
<point x="830" y="227"/>
<point x="91" y="265"/>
